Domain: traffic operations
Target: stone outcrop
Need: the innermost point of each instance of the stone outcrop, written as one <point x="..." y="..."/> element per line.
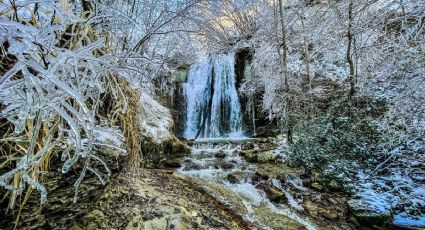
<point x="159" y="141"/>
<point x="157" y="199"/>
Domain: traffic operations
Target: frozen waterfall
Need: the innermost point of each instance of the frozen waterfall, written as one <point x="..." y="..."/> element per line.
<point x="212" y="103"/>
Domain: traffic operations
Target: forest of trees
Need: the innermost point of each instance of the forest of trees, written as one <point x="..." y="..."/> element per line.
<point x="343" y="79"/>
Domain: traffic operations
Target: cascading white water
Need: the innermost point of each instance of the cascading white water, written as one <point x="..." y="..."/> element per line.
<point x="212" y="102"/>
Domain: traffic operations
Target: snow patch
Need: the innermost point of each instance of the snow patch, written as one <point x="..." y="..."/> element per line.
<point x="156" y="119"/>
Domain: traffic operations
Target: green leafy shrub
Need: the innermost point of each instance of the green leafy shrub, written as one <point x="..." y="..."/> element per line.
<point x="337" y="141"/>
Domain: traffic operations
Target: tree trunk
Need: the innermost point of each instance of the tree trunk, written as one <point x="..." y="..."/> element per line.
<point x="284" y="58"/>
<point x="307" y="68"/>
<point x="350" y="37"/>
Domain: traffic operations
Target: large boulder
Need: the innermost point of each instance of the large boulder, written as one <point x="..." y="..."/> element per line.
<point x="367" y="215"/>
<point x="190" y="165"/>
<point x="172" y="163"/>
<point x="159" y="142"/>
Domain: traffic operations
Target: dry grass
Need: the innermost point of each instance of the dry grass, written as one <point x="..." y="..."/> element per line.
<point x="38" y="135"/>
<point x="14" y="147"/>
<point x="129" y="121"/>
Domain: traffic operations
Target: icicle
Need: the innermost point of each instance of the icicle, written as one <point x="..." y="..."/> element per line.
<point x="65" y="154"/>
<point x="69" y="163"/>
<point x="72" y="124"/>
<point x="10" y="73"/>
<point x="22" y="119"/>
<point x="80" y="179"/>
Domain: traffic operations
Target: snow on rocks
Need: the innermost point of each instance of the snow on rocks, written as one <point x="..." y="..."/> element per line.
<point x="157" y="121"/>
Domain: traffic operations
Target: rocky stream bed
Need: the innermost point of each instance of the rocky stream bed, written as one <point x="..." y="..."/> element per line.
<point x="223" y="184"/>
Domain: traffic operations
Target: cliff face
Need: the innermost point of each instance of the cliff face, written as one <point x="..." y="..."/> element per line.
<point x="255" y="120"/>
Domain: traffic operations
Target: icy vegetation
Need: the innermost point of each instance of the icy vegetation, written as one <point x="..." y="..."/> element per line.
<point x="85" y="84"/>
<point x="51" y="94"/>
<point x="61" y="64"/>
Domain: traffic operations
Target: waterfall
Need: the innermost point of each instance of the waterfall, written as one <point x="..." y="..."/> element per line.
<point x="212" y="103"/>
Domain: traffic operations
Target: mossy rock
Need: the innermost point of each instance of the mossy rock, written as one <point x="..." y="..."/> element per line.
<point x="253" y="156"/>
<point x="261" y="158"/>
<point x="181" y="75"/>
<point x="274" y="171"/>
<point x="367" y="218"/>
<point x="155" y="153"/>
<point x="273" y="193"/>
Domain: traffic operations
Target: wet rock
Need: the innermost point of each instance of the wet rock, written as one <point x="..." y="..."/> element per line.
<point x="306" y="182"/>
<point x="266" y="146"/>
<point x="325" y="206"/>
<point x="156" y="151"/>
<point x="190" y="165"/>
<point x="223" y="165"/>
<point x="269" y="155"/>
<point x="260" y="157"/>
<point x="251" y="157"/>
<point x="280" y="137"/>
<point x="255" y="156"/>
<point x="172" y="163"/>
<point x="371" y="218"/>
<point x="235" y="177"/>
<point x="220" y="154"/>
<point x="242" y="153"/>
<point x="270" y="170"/>
<point x="247" y="146"/>
<point x="190" y="142"/>
<point x="263" y="140"/>
<point x="273" y="193"/>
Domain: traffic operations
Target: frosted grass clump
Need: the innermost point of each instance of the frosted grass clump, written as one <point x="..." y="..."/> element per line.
<point x="52" y="91"/>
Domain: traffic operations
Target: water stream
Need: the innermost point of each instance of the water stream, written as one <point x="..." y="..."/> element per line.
<point x="206" y="168"/>
<point x="213" y="118"/>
